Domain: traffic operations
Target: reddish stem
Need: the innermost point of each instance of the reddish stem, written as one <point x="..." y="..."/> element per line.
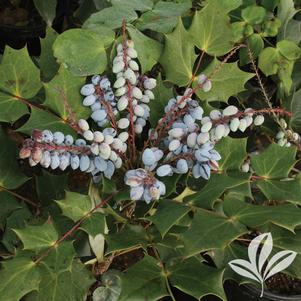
<point x="71" y="119"/>
<point x="107" y="106"/>
<point x="130" y="96"/>
<point x="74" y="228"/>
<point x="31" y="144"/>
<point x="160" y="125"/>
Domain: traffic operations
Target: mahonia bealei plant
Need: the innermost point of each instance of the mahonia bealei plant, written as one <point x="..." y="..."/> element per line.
<point x="183" y="141"/>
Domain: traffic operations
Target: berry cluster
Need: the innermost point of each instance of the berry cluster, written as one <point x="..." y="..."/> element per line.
<point x="286" y="137"/>
<point x="55" y="150"/>
<point x="143" y="185"/>
<point x="182" y="142"/>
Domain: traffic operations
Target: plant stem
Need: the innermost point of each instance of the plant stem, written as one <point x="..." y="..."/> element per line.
<point x="130" y="97"/>
<point x="165" y="274"/>
<point x="73" y="229"/>
<point x="160" y="126"/>
<point x="20" y="197"/>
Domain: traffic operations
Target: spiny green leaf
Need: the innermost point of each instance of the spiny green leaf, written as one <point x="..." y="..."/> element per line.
<point x="210" y="230"/>
<point x="88" y="44"/>
<point x="211" y="31"/>
<point x="289" y="190"/>
<point x="62" y="276"/>
<point x="46" y="9"/>
<point x="233" y="153"/>
<point x="140" y="5"/>
<point x="215" y="187"/>
<point x="47" y="61"/>
<point x="229" y="81"/>
<point x="164" y="17"/>
<point x="19" y="78"/>
<point x="127" y="237"/>
<point x="196" y="279"/>
<point x="75" y="205"/>
<point x="275" y="162"/>
<point x="50" y="187"/>
<point x="287" y="216"/>
<point x="149" y="50"/>
<point x="62" y="93"/>
<point x="95" y="224"/>
<point x="8" y="205"/>
<point x="178" y="48"/>
<point x="19" y="276"/>
<point x="162" y="96"/>
<point x="111" y="17"/>
<point x="37" y="238"/>
<point x="296" y="110"/>
<point x="10" y="175"/>
<point x="42" y="120"/>
<point x="168" y="214"/>
<point x="16" y="220"/>
<point x="143" y="281"/>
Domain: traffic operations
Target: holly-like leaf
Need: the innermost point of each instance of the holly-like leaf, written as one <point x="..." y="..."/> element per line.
<point x="196" y="279"/>
<point x="296" y="110"/>
<point x="228" y="81"/>
<point x="253" y="216"/>
<point x="162" y="96"/>
<point x="37" y="238"/>
<point x="62" y="93"/>
<point x="233" y="153"/>
<point x="10" y="175"/>
<point x="139" y="5"/>
<point x="19" y="276"/>
<point x="149" y="50"/>
<point x="220" y="231"/>
<point x="143" y="281"/>
<point x="75" y="205"/>
<point x="178" y="48"/>
<point x="111" y="17"/>
<point x="50" y="187"/>
<point x="19" y="78"/>
<point x="215" y="187"/>
<point x="128" y="237"/>
<point x="95" y="224"/>
<point x="211" y="30"/>
<point x="46" y="9"/>
<point x="16" y="220"/>
<point x="164" y="17"/>
<point x="62" y="276"/>
<point x="8" y="205"/>
<point x="281" y="190"/>
<point x="82" y="51"/>
<point x="42" y="120"/>
<point x="168" y="214"/>
<point x="47" y="61"/>
<point x="275" y="162"/>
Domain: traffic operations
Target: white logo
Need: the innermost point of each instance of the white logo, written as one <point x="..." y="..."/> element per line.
<point x="257" y="269"/>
